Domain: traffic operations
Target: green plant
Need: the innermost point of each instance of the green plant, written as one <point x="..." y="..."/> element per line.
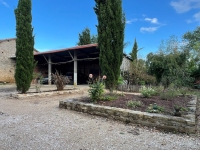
<point x="183" y="90"/>
<point x="24" y="46"/>
<point x="120" y="80"/>
<point x="109" y="97"/>
<point x="147" y="91"/>
<point x="97" y="87"/>
<point x="154" y="108"/>
<point x="158" y="90"/>
<point x="111" y="40"/>
<point x="170" y="93"/>
<point x="38" y="81"/>
<point x="134" y="104"/>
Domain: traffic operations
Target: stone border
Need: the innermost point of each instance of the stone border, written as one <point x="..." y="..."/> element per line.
<point x="184" y="124"/>
<point x="47" y="93"/>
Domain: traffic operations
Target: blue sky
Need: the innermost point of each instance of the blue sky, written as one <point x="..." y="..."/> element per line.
<point x="57" y="23"/>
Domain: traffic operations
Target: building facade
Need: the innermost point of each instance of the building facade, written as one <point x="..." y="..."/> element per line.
<point x="7" y="64"/>
<point x="79" y="61"/>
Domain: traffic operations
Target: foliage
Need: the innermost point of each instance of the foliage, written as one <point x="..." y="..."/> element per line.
<point x="154" y="108"/>
<point x="120" y="80"/>
<point x="38" y="81"/>
<point x="85" y="37"/>
<point x="134" y="104"/>
<point x="111" y="24"/>
<point x="169" y="65"/>
<point x="110" y="97"/>
<point x="138" y="74"/>
<point x="158" y="90"/>
<point x="94" y="39"/>
<point x="97" y="87"/>
<point x="183" y="90"/>
<point x="134" y="52"/>
<point x="169" y="93"/>
<point x="147" y="91"/>
<point x="59" y="80"/>
<point x="192" y="44"/>
<point x="24" y="46"/>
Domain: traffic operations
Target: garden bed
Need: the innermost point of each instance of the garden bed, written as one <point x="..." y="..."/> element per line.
<point x="164" y="120"/>
<point x="139" y="103"/>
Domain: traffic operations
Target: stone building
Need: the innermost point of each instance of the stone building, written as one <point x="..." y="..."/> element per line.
<point x="78" y="60"/>
<point x="7" y="60"/>
<point x="7" y="63"/>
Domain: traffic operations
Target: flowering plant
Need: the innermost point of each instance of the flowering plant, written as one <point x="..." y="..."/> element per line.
<point x="97" y="87"/>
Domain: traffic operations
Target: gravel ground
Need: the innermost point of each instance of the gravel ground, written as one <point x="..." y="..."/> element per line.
<point x="38" y="124"/>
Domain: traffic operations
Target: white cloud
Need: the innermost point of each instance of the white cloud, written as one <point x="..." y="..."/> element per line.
<point x="197" y="17"/>
<point x="152" y="20"/>
<point x="182" y="6"/>
<point x="131" y="21"/>
<point x="148" y="29"/>
<point x="4" y="3"/>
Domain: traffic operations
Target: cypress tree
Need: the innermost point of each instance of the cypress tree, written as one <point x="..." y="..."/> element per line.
<point x="134" y="51"/>
<point x="111" y="24"/>
<point x="24" y="46"/>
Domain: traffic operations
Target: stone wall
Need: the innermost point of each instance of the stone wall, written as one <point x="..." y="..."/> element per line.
<point x="126" y="62"/>
<point x="185" y="124"/>
<point x="7" y="60"/>
<point x="7" y="64"/>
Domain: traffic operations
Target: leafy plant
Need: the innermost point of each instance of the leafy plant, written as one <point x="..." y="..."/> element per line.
<point x="147" y="91"/>
<point x="109" y="97"/>
<point x="97" y="87"/>
<point x="170" y="93"/>
<point x="134" y="104"/>
<point x="37" y="79"/>
<point x="183" y="90"/>
<point x="154" y="108"/>
<point x="158" y="90"/>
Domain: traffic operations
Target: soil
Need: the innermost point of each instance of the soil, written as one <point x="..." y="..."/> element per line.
<point x="168" y="105"/>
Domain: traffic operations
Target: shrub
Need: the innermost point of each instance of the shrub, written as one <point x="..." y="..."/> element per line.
<point x="59" y="80"/>
<point x="158" y="90"/>
<point x="183" y="90"/>
<point x="169" y="93"/>
<point x="110" y="97"/>
<point x="134" y="104"/>
<point x="97" y="87"/>
<point x="147" y="91"/>
<point x="154" y="108"/>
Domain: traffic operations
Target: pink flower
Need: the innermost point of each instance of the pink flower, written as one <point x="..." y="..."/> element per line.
<point x="104" y="77"/>
<point x="90" y="75"/>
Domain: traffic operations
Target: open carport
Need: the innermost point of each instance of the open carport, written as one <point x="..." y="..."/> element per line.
<point x="76" y="62"/>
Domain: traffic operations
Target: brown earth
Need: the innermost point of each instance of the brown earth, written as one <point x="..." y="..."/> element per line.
<point x="168" y="105"/>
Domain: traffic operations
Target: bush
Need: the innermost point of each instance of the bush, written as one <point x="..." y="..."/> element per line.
<point x="147" y="91"/>
<point x="59" y="80"/>
<point x="110" y="97"/>
<point x="97" y="87"/>
<point x="170" y="93"/>
<point x="134" y="104"/>
<point x="154" y="108"/>
<point x="158" y="90"/>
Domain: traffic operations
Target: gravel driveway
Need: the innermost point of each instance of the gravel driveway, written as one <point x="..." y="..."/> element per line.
<point x="38" y="124"/>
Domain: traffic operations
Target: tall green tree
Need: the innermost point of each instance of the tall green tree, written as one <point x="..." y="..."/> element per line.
<point x="86" y="38"/>
<point x="24" y="46"/>
<point x="170" y="64"/>
<point x="111" y="24"/>
<point x="134" y="52"/>
<point x="192" y="44"/>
